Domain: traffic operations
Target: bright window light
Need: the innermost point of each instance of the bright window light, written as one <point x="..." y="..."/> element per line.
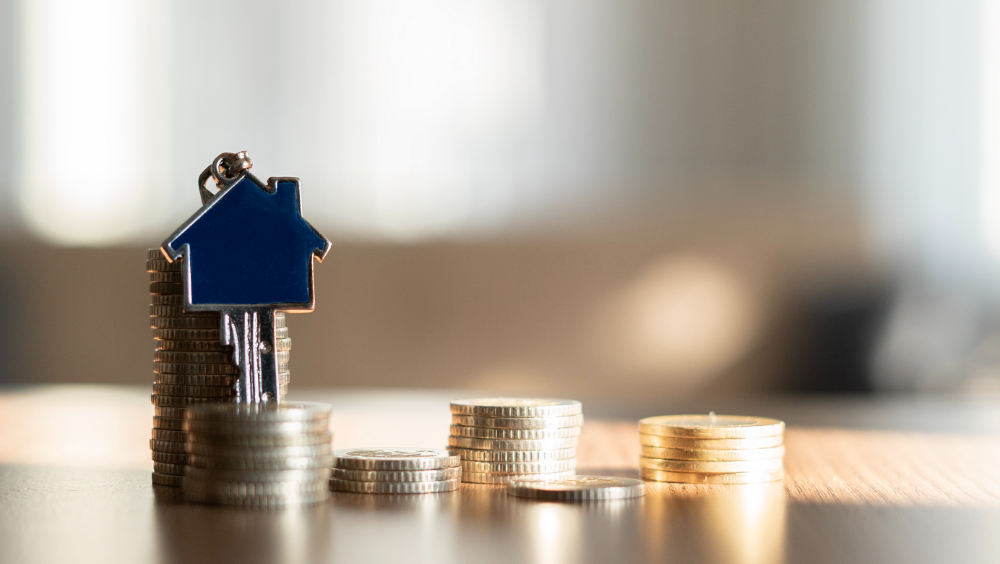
<point x="989" y="139"/>
<point x="92" y="109"/>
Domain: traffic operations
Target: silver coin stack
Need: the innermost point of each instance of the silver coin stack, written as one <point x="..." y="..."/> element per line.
<point x="258" y="455"/>
<point x="395" y="471"/>
<point x="190" y="365"/>
<point x="500" y="439"/>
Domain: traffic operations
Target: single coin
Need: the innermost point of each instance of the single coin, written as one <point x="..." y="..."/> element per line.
<point x="169" y="458"/>
<point x="167" y="288"/>
<point x="398" y="475"/>
<point x="161" y="265"/>
<point x="711" y="426"/>
<point x="261" y="463"/>
<point x="168" y="423"/>
<point x="168" y="435"/>
<point x="167" y="299"/>
<point x="257" y="428"/>
<point x="513" y="455"/>
<point x="247" y="489"/>
<point x="519" y="434"/>
<point x="179" y="401"/>
<point x="171" y="412"/>
<point x="516" y="407"/>
<point x="577" y="488"/>
<point x="155" y="254"/>
<point x="490" y="478"/>
<point x="258" y="501"/>
<point x="262" y="412"/>
<point x="519" y="467"/>
<point x="711" y="444"/>
<point x="711" y="466"/>
<point x="167" y="276"/>
<point x="194" y="391"/>
<point x="395" y="459"/>
<point x="258" y="476"/>
<point x="203" y="346"/>
<point x="186" y="334"/>
<point x="211" y="439"/>
<point x="338" y="485"/>
<point x="225" y="380"/>
<point x="706" y="454"/>
<point x="500" y="444"/>
<point x="284" y="344"/>
<point x="194" y="357"/>
<point x="167" y="479"/>
<point x="699" y="478"/>
<point x="518" y="422"/>
<point x="173" y="469"/>
<point x="186" y="322"/>
<point x="186" y="368"/>
<point x="264" y="455"/>
<point x="279" y="319"/>
<point x="178" y="311"/>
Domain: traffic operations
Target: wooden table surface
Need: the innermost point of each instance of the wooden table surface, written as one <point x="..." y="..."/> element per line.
<point x="876" y="485"/>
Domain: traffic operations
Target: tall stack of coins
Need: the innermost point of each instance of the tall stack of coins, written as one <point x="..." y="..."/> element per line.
<point x="258" y="455"/>
<point x="395" y="470"/>
<point x="500" y="439"/>
<point x="190" y="365"/>
<point x="711" y="449"/>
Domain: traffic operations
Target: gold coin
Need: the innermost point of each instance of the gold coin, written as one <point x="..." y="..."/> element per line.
<point x="518" y="422"/>
<point x="710" y="444"/>
<point x="711" y="466"/>
<point x="512" y="444"/>
<point x="708" y="454"/>
<point x="167" y="479"/>
<point x="699" y="478"/>
<point x="711" y="426"/>
<point x="488" y="433"/>
<point x="516" y="407"/>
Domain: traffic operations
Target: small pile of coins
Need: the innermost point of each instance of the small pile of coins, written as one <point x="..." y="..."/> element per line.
<point x="500" y="439"/>
<point x="395" y="471"/>
<point x="577" y="488"/>
<point x="711" y="449"/>
<point x="190" y="365"/>
<point x="258" y="455"/>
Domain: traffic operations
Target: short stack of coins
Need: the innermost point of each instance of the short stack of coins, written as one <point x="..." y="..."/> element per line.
<point x="500" y="439"/>
<point x="395" y="471"/>
<point x="190" y="364"/>
<point x="711" y="449"/>
<point x="258" y="455"/>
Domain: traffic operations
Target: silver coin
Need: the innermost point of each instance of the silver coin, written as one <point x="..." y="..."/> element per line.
<point x="186" y="334"/>
<point x="167" y="479"/>
<point x="577" y="488"/>
<point x="170" y="423"/>
<point x="500" y="444"/>
<point x="226" y="380"/>
<point x="225" y="428"/>
<point x="518" y="434"/>
<point x="398" y="475"/>
<point x="519" y="467"/>
<point x="184" y="322"/>
<point x="248" y="489"/>
<point x="194" y="357"/>
<point x="258" y="476"/>
<point x="168" y="435"/>
<point x="258" y="454"/>
<point x="187" y="368"/>
<point x="194" y="391"/>
<point x="261" y="440"/>
<point x="169" y="458"/>
<point x="166" y="446"/>
<point x="175" y="401"/>
<point x="516" y="407"/>
<point x="394" y="459"/>
<point x="279" y="319"/>
<point x="518" y="422"/>
<point x="257" y="501"/>
<point x="261" y="463"/>
<point x="211" y="345"/>
<point x="284" y="411"/>
<point x="160" y="310"/>
<point x="513" y="455"/>
<point x="394" y="487"/>
<point x="283" y="344"/>
<point x="163" y="468"/>
<point x="488" y="478"/>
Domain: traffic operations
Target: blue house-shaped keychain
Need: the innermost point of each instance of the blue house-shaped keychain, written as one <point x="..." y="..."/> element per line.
<point x="248" y="253"/>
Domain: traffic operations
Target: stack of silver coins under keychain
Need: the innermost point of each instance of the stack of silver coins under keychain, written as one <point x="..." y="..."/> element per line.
<point x="258" y="454"/>
<point x="711" y="449"/>
<point x="500" y="439"/>
<point x="395" y="471"/>
<point x="190" y="365"/>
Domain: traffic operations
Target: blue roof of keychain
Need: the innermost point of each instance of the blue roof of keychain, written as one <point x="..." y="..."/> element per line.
<point x="249" y="246"/>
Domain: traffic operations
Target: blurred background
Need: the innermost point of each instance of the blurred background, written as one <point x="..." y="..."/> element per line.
<point x="665" y="198"/>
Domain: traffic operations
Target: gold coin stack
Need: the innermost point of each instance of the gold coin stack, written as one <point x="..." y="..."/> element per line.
<point x="500" y="439"/>
<point x="190" y="365"/>
<point x="711" y="449"/>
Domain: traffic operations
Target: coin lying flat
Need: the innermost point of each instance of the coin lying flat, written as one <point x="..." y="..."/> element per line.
<point x="169" y="458"/>
<point x="226" y="380"/>
<point x="479" y="455"/>
<point x="300" y="439"/>
<point x="500" y="444"/>
<point x="168" y="423"/>
<point x="257" y="501"/>
<point x="167" y="276"/>
<point x="261" y="463"/>
<point x="399" y="475"/>
<point x="711" y="426"/>
<point x="166" y="288"/>
<point x="711" y="466"/>
<point x="256" y="428"/>
<point x="194" y="391"/>
<point x="516" y="407"/>
<point x="490" y="478"/>
<point x="577" y="488"/>
<point x="227" y="368"/>
<point x="520" y="434"/>
<point x="171" y="412"/>
<point x="700" y="478"/>
<point x="186" y="334"/>
<point x="518" y="422"/>
<point x="166" y="446"/>
<point x="284" y="411"/>
<point x="710" y="444"/>
<point x="167" y="299"/>
<point x="170" y="310"/>
<point x="179" y="401"/>
<point x="395" y="459"/>
<point x="167" y="479"/>
<point x="338" y="485"/>
<point x="164" y="468"/>
<point x="190" y="345"/>
<point x="707" y="454"/>
<point x="262" y="454"/>
<point x="242" y="488"/>
<point x="168" y="435"/>
<point x="194" y="357"/>
<point x="303" y="475"/>
<point x="519" y="467"/>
